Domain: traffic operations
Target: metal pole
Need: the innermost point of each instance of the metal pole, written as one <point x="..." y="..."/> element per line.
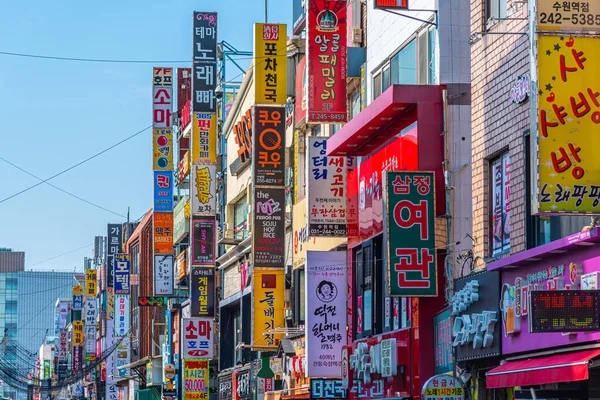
<point x="266" y="14"/>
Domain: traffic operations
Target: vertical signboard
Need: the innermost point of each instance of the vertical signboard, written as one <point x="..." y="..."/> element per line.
<point x="205" y="37"/>
<point x="204" y="138"/>
<point x="442" y="342"/>
<point x="268" y="158"/>
<point x="204" y="72"/>
<point x="197" y="338"/>
<point x="203" y="246"/>
<point x="203" y="189"/>
<point x="90" y="283"/>
<point x="77" y="297"/>
<point x="195" y="379"/>
<point x="90" y="312"/>
<point x="121" y="315"/>
<point x="90" y="340"/>
<point x="162" y="98"/>
<point x="326" y="191"/>
<point x="202" y="292"/>
<point x="299" y="16"/>
<point x="501" y="205"/>
<point x="327" y="61"/>
<point x="123" y="356"/>
<point x="163" y="275"/>
<point x="268" y="227"/>
<point x="410" y="221"/>
<point x="268" y="307"/>
<point x="163" y="233"/>
<point x="163" y="191"/>
<point x="77" y="333"/>
<point x="77" y="358"/>
<point x="122" y="267"/>
<point x="568" y="116"/>
<point x="326" y="312"/>
<point x="162" y="147"/>
<point x="114" y="246"/>
<point x="270" y="61"/>
<point x="204" y="83"/>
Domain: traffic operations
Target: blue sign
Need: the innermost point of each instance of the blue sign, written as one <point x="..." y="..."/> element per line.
<point x="298" y="16"/>
<point x="443" y="342"/>
<point x="163" y="191"/>
<point x="121" y="273"/>
<point x="77" y="302"/>
<point x="327" y="389"/>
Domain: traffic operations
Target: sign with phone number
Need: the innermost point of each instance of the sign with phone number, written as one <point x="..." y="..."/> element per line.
<point x="555" y="15"/>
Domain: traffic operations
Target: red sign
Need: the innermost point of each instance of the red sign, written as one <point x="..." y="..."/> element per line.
<point x="399" y="4"/>
<point x="184" y="90"/>
<point x="327" y="61"/>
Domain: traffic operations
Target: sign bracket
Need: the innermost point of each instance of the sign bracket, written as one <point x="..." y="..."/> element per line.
<point x="435" y="12"/>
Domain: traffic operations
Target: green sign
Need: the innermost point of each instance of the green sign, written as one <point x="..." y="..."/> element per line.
<point x="46" y="369"/>
<point x="410" y="220"/>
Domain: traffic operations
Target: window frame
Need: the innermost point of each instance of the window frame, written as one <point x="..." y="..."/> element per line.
<point x="491" y="20"/>
<point x="494" y="163"/>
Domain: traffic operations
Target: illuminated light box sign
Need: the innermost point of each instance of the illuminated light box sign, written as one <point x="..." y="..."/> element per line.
<point x="397" y="4"/>
<point x="564" y="311"/>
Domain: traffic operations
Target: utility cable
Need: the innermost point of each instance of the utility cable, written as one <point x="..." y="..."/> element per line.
<point x="62" y="190"/>
<point x="76" y="165"/>
<point x="61" y="255"/>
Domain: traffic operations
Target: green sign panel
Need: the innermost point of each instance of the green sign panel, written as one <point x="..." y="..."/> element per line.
<point x="46" y="369"/>
<point x="410" y="220"/>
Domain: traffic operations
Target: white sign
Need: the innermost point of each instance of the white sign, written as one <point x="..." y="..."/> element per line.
<point x="111" y="392"/>
<point x="90" y="340"/>
<point x="443" y="387"/>
<point x="123" y="357"/>
<point x="163" y="275"/>
<point x="377" y="359"/>
<point x="121" y="315"/>
<point x="203" y="188"/>
<point x="326" y="312"/>
<point x="110" y="360"/>
<point x="90" y="312"/>
<point x="590" y="281"/>
<point x="326" y="190"/>
<point x="197" y="338"/>
<point x="62" y="314"/>
<point x="62" y="344"/>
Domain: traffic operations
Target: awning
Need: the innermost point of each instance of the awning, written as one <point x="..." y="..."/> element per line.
<point x="567" y="367"/>
<point x="136" y="364"/>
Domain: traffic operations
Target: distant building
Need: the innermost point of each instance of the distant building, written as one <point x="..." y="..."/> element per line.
<point x="11" y="261"/>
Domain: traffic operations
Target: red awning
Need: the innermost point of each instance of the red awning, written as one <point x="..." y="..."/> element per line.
<point x="566" y="367"/>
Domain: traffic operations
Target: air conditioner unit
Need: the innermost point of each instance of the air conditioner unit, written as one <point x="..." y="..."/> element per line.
<point x="357" y="36"/>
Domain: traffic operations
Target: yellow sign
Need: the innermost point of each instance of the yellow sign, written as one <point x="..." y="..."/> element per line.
<point x="444" y="392"/>
<point x="268" y="307"/>
<point x="270" y="63"/>
<point x="77" y="290"/>
<point x="301" y="242"/>
<point x="568" y="118"/>
<point x="196" y="378"/>
<point x="77" y="333"/>
<point x="162" y="146"/>
<point x="90" y="283"/>
<point x="204" y="138"/>
<point x="578" y="15"/>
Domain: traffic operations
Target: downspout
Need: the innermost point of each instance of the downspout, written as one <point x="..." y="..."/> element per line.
<point x="448" y="264"/>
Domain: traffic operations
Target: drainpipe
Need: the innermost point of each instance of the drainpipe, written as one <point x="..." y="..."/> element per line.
<point x="448" y="265"/>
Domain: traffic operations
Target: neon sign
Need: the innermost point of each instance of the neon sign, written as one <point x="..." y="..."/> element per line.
<point x="562" y="310"/>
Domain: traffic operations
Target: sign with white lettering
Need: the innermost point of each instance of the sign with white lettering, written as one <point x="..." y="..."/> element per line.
<point x="474" y="306"/>
<point x="326" y="389"/>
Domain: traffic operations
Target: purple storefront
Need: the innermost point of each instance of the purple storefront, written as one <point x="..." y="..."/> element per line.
<point x="557" y="364"/>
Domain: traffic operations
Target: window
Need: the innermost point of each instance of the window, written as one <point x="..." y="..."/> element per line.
<point x="404" y="65"/>
<point x="376" y="86"/>
<point x="431" y="62"/>
<point x="494" y="10"/>
<point x="240" y="218"/>
<point x="237" y="334"/>
<point x="299" y="303"/>
<point x="385" y="80"/>
<point x="500" y="200"/>
<point x="354" y="104"/>
<point x="370" y="289"/>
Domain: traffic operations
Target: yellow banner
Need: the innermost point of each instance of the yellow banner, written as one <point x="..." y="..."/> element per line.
<point x="196" y="379"/>
<point x="90" y="283"/>
<point x="270" y="63"/>
<point x="301" y="242"/>
<point x="568" y="118"/>
<point x="77" y="333"/>
<point x="268" y="307"/>
<point x="204" y="138"/>
<point x="162" y="147"/>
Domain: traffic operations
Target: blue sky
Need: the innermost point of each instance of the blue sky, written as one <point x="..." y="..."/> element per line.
<point x="55" y="114"/>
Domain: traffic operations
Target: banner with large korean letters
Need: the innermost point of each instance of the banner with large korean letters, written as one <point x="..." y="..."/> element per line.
<point x="268" y="305"/>
<point x="268" y="146"/>
<point x="202" y="298"/>
<point x="122" y="317"/>
<point x="270" y="61"/>
<point x="268" y="227"/>
<point x="198" y="337"/>
<point x="326" y="191"/>
<point x="122" y="269"/>
<point x="326" y="312"/>
<point x="326" y="63"/>
<point x="114" y="233"/>
<point x="204" y="138"/>
<point x="90" y="312"/>
<point x="410" y="221"/>
<point x="203" y="189"/>
<point x="163" y="275"/>
<point x="568" y="118"/>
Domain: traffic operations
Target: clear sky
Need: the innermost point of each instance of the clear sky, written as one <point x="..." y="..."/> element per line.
<point x="55" y="114"/>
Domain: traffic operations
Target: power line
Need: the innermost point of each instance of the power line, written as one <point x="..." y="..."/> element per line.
<point x="96" y="60"/>
<point x="60" y="255"/>
<point x="62" y="190"/>
<point x="76" y="165"/>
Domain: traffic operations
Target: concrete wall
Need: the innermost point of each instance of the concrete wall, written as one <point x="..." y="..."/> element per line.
<point x="496" y="62"/>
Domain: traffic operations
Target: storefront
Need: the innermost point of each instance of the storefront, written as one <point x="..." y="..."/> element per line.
<point x="401" y="130"/>
<point x="554" y="364"/>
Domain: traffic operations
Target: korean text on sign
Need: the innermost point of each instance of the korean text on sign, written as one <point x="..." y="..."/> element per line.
<point x="568" y="117"/>
<point x="410" y="218"/>
<point x="270" y="63"/>
<point x="269" y="145"/>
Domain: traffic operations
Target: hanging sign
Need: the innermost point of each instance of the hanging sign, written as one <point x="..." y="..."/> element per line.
<point x="203" y="188"/>
<point x="268" y="227"/>
<point x="198" y="334"/>
<point x="163" y="275"/>
<point x="122" y="268"/>
<point x="270" y="59"/>
<point x="195" y="379"/>
<point x="202" y="296"/>
<point x="204" y="138"/>
<point x="269" y="145"/>
<point x="90" y="283"/>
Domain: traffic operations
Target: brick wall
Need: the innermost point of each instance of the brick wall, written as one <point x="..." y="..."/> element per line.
<point x="497" y="124"/>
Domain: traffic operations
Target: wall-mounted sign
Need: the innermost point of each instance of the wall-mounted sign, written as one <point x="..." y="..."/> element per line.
<point x="163" y="233"/>
<point x="162" y="146"/>
<point x="327" y="389"/>
<point x="197" y="337"/>
<point x="203" y="246"/>
<point x="240" y="385"/>
<point x="326" y="286"/>
<point x="270" y="51"/>
<point x="204" y="83"/>
<point x="202" y="296"/>
<point x="268" y="230"/>
<point x="326" y="42"/>
<point x="443" y="387"/>
<point x="571" y="16"/>
<point x="474" y="306"/>
<point x="397" y="4"/>
<point x="91" y="311"/>
<point x="410" y="220"/>
<point x="114" y="243"/>
<point x="204" y="138"/>
<point x="521" y="90"/>
<point x="443" y="360"/>
<point x="196" y="379"/>
<point x="564" y="311"/>
<point x="147" y="301"/>
<point x="163" y="275"/>
<point x="122" y="267"/>
<point x="203" y="189"/>
<point x="90" y="283"/>
<point x="77" y="297"/>
<point x="205" y="37"/>
<point x="122" y="316"/>
<point x="269" y="145"/>
<point x="225" y="387"/>
<point x="268" y="307"/>
<point x="163" y="191"/>
<point x="77" y="333"/>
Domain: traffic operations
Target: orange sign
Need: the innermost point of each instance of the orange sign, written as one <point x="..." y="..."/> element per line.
<point x="163" y="233"/>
